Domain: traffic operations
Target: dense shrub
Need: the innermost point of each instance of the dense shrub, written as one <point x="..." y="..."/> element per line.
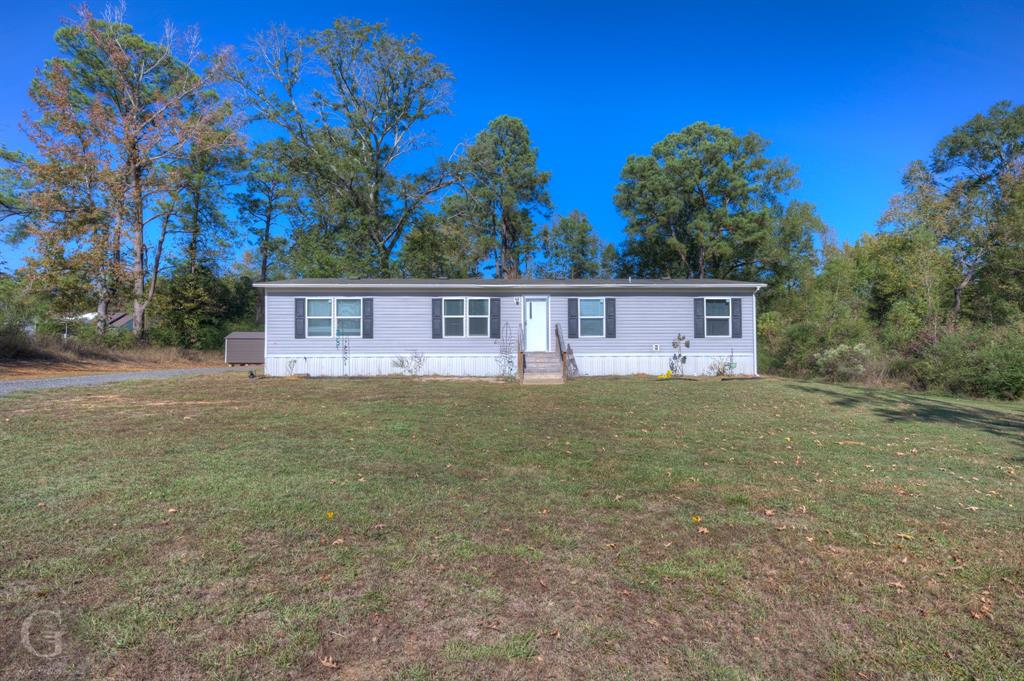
<point x="86" y="334"/>
<point x="986" y="361"/>
<point x="843" y="362"/>
<point x="196" y="309"/>
<point x="14" y="343"/>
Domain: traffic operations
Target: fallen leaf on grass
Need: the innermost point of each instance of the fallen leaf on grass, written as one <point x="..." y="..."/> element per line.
<point x="702" y="530"/>
<point x="172" y="510"/>
<point x="329" y="662"/>
<point x="339" y="540"/>
<point x="901" y="535"/>
<point x="899" y="586"/>
<point x="769" y="512"/>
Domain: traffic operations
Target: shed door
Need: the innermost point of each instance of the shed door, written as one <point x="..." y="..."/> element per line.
<point x="535" y="323"/>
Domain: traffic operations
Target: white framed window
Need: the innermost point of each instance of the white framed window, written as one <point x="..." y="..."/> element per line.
<point x="478" y="314"/>
<point x="348" y="314"/>
<point x="454" y="311"/>
<point x="717" y="317"/>
<point x="318" y="317"/>
<point x="591" y="317"/>
<point x="466" y="317"/>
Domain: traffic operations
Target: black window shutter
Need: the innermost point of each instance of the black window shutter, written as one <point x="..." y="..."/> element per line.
<point x="574" y="318"/>
<point x="609" y="318"/>
<point x="300" y="317"/>
<point x="435" y="318"/>
<point x="737" y="317"/>
<point x="698" y="317"/>
<point x="367" y="317"/>
<point x="495" y="317"/>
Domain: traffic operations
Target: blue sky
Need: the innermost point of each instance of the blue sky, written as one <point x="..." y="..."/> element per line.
<point x="848" y="92"/>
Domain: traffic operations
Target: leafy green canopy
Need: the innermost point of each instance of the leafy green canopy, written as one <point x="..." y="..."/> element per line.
<point x="707" y="202"/>
<point x="350" y="100"/>
<point x="500" y="193"/>
<point x="571" y="248"/>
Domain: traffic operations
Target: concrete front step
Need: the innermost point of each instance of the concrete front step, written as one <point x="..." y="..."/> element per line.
<point x="543" y="379"/>
<point x="542" y="368"/>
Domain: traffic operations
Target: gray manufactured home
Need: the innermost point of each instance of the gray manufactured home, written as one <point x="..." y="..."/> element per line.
<point x="492" y="327"/>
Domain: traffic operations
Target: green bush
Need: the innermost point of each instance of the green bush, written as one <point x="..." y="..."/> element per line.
<point x="984" y="361"/>
<point x="843" y="362"/>
<point x="14" y="343"/>
<point x="86" y="334"/>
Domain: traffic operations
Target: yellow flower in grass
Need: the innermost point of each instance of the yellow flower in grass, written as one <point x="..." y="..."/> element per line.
<point x="330" y="515"/>
<point x="695" y="518"/>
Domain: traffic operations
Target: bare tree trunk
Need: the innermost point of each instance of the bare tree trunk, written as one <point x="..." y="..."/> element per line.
<point x="101" y="313"/>
<point x="139" y="248"/>
<point x="104" y="280"/>
<point x="265" y="246"/>
<point x="138" y="289"/>
<point x="958" y="295"/>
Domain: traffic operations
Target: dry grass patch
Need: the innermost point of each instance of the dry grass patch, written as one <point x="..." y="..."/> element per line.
<point x="50" y="356"/>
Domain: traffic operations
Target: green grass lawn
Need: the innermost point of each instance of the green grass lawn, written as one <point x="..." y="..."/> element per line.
<point x="606" y="529"/>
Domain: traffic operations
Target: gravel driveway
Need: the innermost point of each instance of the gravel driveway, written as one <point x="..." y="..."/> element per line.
<point x="96" y="379"/>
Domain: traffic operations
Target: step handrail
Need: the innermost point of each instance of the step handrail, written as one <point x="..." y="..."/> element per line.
<point x="520" y="355"/>
<point x="565" y="353"/>
<point x="562" y="350"/>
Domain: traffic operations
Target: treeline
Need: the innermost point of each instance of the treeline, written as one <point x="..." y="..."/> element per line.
<point x="935" y="297"/>
<point x="145" y="193"/>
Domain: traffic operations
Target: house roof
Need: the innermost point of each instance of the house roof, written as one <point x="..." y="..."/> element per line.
<point x="512" y="284"/>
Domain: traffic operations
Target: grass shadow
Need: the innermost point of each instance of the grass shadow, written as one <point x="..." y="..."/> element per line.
<point x="925" y="409"/>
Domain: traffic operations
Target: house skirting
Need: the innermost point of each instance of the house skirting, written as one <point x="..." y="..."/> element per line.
<point x="494" y="364"/>
<point x="384" y="365"/>
<point x="654" y="363"/>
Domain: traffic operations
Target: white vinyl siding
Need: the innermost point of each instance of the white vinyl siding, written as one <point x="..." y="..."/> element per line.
<point x="402" y="325"/>
<point x="717" y="318"/>
<point x="592" y="317"/>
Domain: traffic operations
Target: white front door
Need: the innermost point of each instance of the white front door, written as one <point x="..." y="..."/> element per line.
<point x="535" y="321"/>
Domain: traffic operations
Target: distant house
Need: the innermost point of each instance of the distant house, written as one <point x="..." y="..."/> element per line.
<point x="115" y="320"/>
<point x="120" y="320"/>
<point x="488" y="327"/>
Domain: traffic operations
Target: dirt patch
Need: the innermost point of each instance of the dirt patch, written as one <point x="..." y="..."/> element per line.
<point x="16" y="370"/>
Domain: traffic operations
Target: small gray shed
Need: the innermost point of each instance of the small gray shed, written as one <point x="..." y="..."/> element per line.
<point x="243" y="347"/>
